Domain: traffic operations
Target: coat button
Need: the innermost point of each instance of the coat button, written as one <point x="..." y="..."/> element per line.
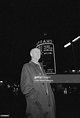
<point x="49" y="105"/>
<point x="43" y="83"/>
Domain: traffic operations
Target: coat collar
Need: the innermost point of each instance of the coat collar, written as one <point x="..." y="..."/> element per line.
<point x="33" y="63"/>
<point x="38" y="66"/>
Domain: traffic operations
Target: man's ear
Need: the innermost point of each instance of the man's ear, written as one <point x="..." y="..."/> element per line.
<point x="31" y="53"/>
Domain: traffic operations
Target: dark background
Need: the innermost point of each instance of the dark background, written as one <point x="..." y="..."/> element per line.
<point x="22" y="22"/>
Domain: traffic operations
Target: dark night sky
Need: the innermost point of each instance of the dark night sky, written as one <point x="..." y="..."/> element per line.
<point x="22" y="23"/>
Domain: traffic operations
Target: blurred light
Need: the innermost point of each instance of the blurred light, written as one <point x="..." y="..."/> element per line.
<point x="69" y="87"/>
<point x="65" y="91"/>
<point x="76" y="39"/>
<point x="73" y="70"/>
<point x="1" y="81"/>
<point x="67" y="45"/>
<point x="4" y="115"/>
<point x="8" y="86"/>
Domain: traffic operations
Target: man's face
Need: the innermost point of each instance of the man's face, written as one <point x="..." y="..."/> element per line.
<point x="36" y="54"/>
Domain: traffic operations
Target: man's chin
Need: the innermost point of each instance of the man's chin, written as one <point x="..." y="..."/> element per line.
<point x="37" y="59"/>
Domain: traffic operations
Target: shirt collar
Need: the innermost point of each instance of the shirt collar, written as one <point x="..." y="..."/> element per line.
<point x="34" y="63"/>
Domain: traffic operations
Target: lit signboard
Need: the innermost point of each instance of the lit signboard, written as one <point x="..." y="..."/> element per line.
<point x="47" y="56"/>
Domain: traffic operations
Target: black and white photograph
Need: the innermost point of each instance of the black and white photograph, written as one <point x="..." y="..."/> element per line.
<point x="39" y="59"/>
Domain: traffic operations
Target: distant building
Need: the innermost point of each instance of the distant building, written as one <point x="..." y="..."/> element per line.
<point x="48" y="55"/>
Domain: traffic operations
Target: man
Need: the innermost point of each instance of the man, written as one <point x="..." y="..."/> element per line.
<point x="39" y="95"/>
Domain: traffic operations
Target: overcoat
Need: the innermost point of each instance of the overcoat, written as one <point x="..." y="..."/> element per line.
<point x="39" y="95"/>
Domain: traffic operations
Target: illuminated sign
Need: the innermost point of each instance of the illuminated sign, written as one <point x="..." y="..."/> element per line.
<point x="47" y="56"/>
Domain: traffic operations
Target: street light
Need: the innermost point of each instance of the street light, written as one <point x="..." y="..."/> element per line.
<point x="71" y="43"/>
<point x="76" y="39"/>
<point x="68" y="44"/>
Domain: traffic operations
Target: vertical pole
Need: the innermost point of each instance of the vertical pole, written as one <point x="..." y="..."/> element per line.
<point x="74" y="56"/>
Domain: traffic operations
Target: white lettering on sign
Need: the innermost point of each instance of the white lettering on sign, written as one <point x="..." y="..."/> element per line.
<point x="45" y="78"/>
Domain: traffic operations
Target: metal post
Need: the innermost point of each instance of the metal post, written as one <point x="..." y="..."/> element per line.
<point x="75" y="64"/>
